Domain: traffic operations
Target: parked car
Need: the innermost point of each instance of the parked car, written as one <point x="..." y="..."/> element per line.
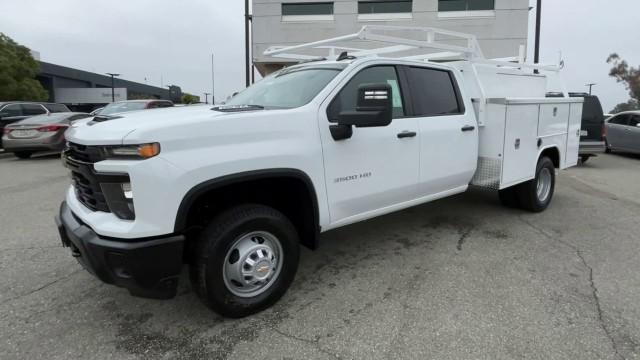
<point x="134" y="105"/>
<point x="38" y="133"/>
<point x="592" y="129"/>
<point x="13" y="111"/>
<point x="623" y="132"/>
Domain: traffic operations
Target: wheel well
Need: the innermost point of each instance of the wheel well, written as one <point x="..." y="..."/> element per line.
<point x="553" y="154"/>
<point x="290" y="192"/>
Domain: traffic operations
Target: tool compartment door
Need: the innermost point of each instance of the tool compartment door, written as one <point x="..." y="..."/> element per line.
<point x="573" y="135"/>
<point x="520" y="144"/>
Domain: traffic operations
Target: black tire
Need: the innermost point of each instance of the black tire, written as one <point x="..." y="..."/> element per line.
<point x="527" y="192"/>
<point x="215" y="242"/>
<point x="509" y="197"/>
<point x="607" y="148"/>
<point x="23" y="154"/>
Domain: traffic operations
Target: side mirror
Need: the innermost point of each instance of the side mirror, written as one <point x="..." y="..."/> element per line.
<point x="374" y="108"/>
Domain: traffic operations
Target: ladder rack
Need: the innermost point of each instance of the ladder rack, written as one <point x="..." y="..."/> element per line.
<point x="428" y="39"/>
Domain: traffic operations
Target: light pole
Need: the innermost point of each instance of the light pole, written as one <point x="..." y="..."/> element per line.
<point x="247" y="19"/>
<point x="113" y="94"/>
<point x="206" y="98"/>
<point x="536" y="56"/>
<point x="213" y="83"/>
<point x="591" y="87"/>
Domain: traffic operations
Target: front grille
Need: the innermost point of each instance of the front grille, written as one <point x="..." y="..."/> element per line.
<point x="89" y="193"/>
<point x="83" y="153"/>
<point x="87" y="186"/>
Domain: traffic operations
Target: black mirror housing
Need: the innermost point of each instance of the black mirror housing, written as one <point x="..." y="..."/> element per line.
<point x="374" y="107"/>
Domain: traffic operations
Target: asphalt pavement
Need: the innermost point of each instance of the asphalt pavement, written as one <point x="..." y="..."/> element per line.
<point x="460" y="278"/>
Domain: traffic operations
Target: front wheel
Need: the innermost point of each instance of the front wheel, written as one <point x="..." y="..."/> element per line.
<point x="246" y="260"/>
<point x="535" y="195"/>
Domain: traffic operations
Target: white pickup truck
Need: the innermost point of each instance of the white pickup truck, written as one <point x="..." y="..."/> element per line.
<point x="233" y="190"/>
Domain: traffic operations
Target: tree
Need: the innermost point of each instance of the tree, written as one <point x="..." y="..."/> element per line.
<point x="628" y="106"/>
<point x="630" y="76"/>
<point x="18" y="71"/>
<point x="190" y="99"/>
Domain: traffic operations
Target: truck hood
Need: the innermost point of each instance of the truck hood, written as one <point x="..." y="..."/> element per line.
<point x="114" y="131"/>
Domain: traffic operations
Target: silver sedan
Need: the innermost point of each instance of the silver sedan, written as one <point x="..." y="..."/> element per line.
<point x="623" y="132"/>
<point x="38" y="133"/>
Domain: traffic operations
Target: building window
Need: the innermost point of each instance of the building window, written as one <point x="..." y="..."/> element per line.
<point x="384" y="10"/>
<point x="316" y="8"/>
<point x="466" y="5"/>
<point x="384" y="6"/>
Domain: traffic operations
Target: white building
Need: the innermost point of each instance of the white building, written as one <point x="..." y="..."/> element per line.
<point x="500" y="25"/>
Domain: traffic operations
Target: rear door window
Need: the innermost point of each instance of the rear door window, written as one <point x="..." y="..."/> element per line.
<point x="620" y="120"/>
<point x="434" y="92"/>
<point x="56" y="108"/>
<point x="592" y="111"/>
<point x="32" y="109"/>
<point x="12" y="110"/>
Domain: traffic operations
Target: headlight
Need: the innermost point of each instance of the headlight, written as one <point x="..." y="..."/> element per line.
<point x="142" y="151"/>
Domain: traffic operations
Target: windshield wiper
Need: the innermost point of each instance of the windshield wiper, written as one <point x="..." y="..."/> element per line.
<point x="233" y="108"/>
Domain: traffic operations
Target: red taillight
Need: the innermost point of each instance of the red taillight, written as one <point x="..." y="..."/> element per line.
<point x="6" y="130"/>
<point x="604" y="131"/>
<point x="50" y="128"/>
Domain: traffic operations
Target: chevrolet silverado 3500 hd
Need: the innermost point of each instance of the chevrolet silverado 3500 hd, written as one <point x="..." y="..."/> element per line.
<point x="233" y="190"/>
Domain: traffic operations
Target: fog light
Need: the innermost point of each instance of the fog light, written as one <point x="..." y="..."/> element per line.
<point x="126" y="190"/>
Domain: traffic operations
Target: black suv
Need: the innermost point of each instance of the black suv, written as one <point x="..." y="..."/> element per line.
<point x="12" y="111"/>
<point x="592" y="129"/>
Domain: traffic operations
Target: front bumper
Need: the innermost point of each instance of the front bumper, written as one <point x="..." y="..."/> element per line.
<point x="147" y="268"/>
<point x="591" y="147"/>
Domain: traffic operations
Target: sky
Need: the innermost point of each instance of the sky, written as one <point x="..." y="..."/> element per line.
<point x="171" y="42"/>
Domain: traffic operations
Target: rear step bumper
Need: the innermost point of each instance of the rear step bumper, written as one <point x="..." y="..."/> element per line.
<point x="146" y="267"/>
<point x="591" y="147"/>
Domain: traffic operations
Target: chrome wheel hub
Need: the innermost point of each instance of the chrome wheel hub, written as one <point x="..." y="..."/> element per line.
<point x="252" y="264"/>
<point x="543" y="188"/>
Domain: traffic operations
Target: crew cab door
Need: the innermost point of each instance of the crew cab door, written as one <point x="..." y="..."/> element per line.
<point x="448" y="131"/>
<point x="375" y="168"/>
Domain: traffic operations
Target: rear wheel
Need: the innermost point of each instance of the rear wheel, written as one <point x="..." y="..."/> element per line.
<point x="23" y="154"/>
<point x="246" y="260"/>
<point x="607" y="147"/>
<point x="535" y="195"/>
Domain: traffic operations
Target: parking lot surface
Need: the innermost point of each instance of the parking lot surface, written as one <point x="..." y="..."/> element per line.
<point x="460" y="278"/>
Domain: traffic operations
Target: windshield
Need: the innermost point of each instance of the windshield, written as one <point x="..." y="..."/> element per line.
<point x="119" y="107"/>
<point x="286" y="89"/>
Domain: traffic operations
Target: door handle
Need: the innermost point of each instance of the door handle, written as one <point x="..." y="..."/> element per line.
<point x="468" y="128"/>
<point x="407" y="134"/>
